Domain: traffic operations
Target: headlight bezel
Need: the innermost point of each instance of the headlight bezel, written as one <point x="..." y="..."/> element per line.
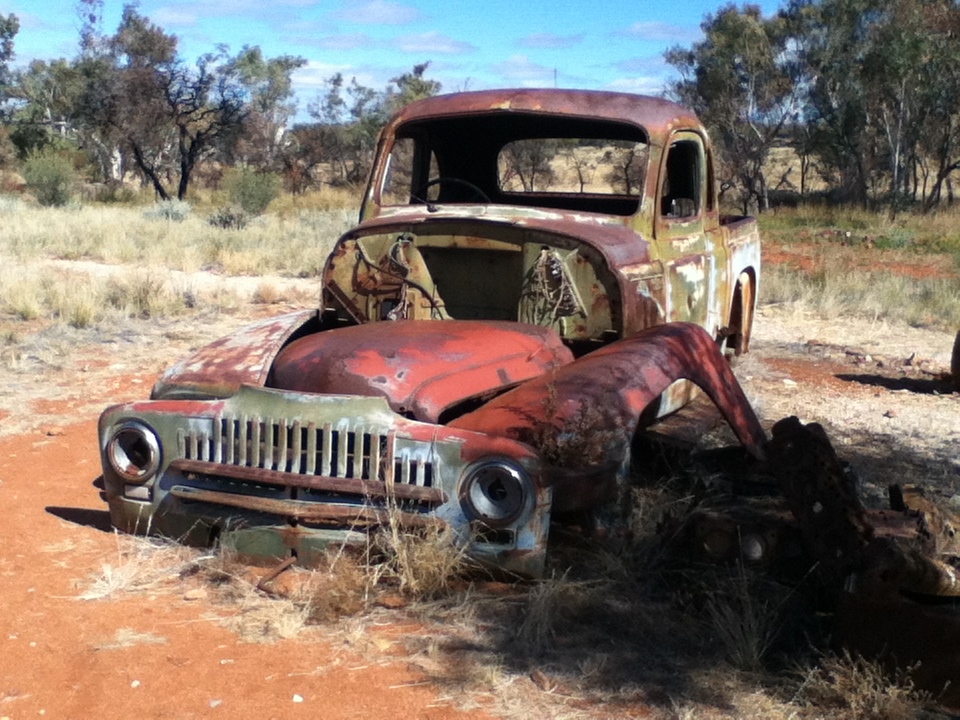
<point x="133" y="451"/>
<point x="496" y="491"/>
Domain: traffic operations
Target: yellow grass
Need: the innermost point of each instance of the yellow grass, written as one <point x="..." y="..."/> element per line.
<point x="292" y="244"/>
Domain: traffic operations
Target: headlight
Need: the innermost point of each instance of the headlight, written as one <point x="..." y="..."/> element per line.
<point x="134" y="452"/>
<point x="495" y="492"/>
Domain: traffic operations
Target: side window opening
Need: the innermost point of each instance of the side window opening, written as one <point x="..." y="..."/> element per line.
<point x="405" y="178"/>
<point x="681" y="192"/>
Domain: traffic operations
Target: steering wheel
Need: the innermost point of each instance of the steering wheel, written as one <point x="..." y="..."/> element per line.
<point x="477" y="192"/>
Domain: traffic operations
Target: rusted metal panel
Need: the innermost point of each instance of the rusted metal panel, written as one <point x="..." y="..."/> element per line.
<point x="619" y="244"/>
<point x="242" y="358"/>
<point x="420" y="367"/>
<point x="616" y="384"/>
<point x="361" y="488"/>
<point x="652" y="113"/>
<point x="349" y="515"/>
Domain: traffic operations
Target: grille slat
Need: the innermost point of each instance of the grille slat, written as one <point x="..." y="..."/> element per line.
<point x="255" y="444"/>
<point x="311" y="449"/>
<point x="218" y="438"/>
<point x="242" y="454"/>
<point x="278" y="445"/>
<point x="295" y="455"/>
<point x="375" y="456"/>
<point x="327" y="449"/>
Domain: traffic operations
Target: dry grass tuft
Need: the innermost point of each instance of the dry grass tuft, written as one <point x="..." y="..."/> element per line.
<point x="581" y="440"/>
<point x="143" y="294"/>
<point x="266" y="293"/>
<point x="549" y="602"/>
<point x="424" y="563"/>
<point x="833" y="293"/>
<point x="142" y="564"/>
<point x="745" y="625"/>
<point x="861" y="689"/>
<point x="850" y="259"/>
<point x="127" y="637"/>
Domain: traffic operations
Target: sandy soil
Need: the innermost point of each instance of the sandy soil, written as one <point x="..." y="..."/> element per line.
<point x="878" y="390"/>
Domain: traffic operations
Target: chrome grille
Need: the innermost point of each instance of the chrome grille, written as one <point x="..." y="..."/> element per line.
<point x="307" y="449"/>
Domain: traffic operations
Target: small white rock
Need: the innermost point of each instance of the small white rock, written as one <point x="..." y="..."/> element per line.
<point x="216" y="703"/>
<point x="298" y="698"/>
<point x="135" y="684"/>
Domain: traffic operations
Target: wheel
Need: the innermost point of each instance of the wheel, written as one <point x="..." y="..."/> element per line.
<point x="477" y="192"/>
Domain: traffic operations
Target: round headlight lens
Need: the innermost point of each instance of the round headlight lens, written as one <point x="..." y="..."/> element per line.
<point x="134" y="452"/>
<point x="495" y="492"/>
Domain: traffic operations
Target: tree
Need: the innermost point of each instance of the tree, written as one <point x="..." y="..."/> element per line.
<point x="46" y="92"/>
<point x="345" y="133"/>
<point x="937" y="90"/>
<point x="409" y="87"/>
<point x="832" y="43"/>
<point x="269" y="86"/>
<point x="530" y="162"/>
<point x="740" y="81"/>
<point x="9" y="27"/>
<point x="140" y="95"/>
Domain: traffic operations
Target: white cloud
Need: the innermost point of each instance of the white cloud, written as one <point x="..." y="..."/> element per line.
<point x="649" y="64"/>
<point x="189" y="13"/>
<point x="655" y="30"/>
<point x="520" y="69"/>
<point x="353" y="41"/>
<point x="173" y="16"/>
<point x="551" y="41"/>
<point x="640" y="85"/>
<point x="29" y="21"/>
<point x="432" y="42"/>
<point x="313" y="75"/>
<point x="377" y="12"/>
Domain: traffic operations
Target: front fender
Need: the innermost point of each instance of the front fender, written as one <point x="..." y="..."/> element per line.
<point x="604" y="393"/>
<point x="244" y="357"/>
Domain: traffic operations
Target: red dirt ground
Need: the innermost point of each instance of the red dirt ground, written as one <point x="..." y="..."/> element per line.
<point x="810" y="258"/>
<point x="53" y="659"/>
<point x="60" y="656"/>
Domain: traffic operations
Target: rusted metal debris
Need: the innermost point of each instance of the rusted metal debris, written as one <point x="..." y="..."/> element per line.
<point x="888" y="577"/>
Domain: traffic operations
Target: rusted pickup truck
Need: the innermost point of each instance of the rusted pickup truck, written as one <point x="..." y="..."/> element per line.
<point x="537" y="274"/>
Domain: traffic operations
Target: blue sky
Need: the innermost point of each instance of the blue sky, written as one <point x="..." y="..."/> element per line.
<point x="471" y="44"/>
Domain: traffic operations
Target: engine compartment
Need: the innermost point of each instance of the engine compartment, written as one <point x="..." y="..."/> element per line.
<point x="446" y="272"/>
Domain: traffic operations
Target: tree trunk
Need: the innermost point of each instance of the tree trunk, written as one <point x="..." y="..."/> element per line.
<point x="150" y="172"/>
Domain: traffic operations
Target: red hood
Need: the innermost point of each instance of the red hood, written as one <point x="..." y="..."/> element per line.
<point x="421" y="367"/>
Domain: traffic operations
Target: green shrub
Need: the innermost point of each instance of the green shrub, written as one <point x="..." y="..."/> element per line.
<point x="114" y="192"/>
<point x="50" y="178"/>
<point x="251" y="190"/>
<point x="229" y="218"/>
<point x="171" y="210"/>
